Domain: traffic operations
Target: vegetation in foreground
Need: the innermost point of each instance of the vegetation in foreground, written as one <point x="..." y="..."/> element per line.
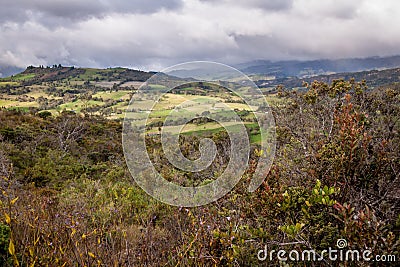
<point x="68" y="200"/>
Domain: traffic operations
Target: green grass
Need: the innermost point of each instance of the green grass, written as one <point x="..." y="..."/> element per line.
<point x="255" y="138"/>
<point x="211" y="128"/>
<point x="160" y="113"/>
<point x="23" y="109"/>
<point x="194" y="128"/>
<point x="157" y="86"/>
<point x="113" y="95"/>
<point x="79" y="105"/>
<point x="23" y="77"/>
<point x="91" y="74"/>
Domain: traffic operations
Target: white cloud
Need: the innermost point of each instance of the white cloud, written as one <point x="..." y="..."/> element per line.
<point x="229" y="31"/>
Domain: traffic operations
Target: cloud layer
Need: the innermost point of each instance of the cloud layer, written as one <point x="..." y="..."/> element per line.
<point x="154" y="34"/>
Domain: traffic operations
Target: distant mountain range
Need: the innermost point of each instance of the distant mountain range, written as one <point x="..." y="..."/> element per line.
<point x="6" y="71"/>
<point x="302" y="69"/>
<point x="293" y="68"/>
<point x="373" y="78"/>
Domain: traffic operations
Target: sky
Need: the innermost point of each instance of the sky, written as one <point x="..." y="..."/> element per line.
<point x="151" y="35"/>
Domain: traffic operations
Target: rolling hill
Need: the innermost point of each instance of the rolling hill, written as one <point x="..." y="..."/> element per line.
<point x="6" y="71"/>
<point x="373" y="78"/>
<point x="302" y="69"/>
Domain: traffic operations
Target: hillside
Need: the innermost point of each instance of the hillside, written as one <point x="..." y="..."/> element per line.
<point x="36" y="75"/>
<point x="68" y="198"/>
<point x="58" y="88"/>
<point x="6" y="71"/>
<point x="107" y="91"/>
<point x="302" y="69"/>
<point x="373" y="78"/>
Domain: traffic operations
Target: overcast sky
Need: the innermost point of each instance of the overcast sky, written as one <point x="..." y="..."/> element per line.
<point x="150" y="34"/>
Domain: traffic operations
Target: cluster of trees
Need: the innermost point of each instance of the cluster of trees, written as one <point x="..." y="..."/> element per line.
<point x="55" y="66"/>
<point x="68" y="199"/>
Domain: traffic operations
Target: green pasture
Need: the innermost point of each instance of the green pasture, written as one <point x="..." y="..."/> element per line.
<point x="113" y="95"/>
<point x="78" y="105"/>
<point x="23" y="77"/>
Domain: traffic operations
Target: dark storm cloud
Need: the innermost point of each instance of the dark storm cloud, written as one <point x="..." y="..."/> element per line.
<point x="23" y="10"/>
<point x="269" y="5"/>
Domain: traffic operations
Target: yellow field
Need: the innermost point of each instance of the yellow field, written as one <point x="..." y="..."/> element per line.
<point x="190" y="127"/>
<point x="17" y="104"/>
<point x="7" y="103"/>
<point x="3" y="84"/>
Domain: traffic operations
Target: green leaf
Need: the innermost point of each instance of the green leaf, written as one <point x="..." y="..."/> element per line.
<point x="318" y="185"/>
<point x="326" y="189"/>
<point x="298" y="226"/>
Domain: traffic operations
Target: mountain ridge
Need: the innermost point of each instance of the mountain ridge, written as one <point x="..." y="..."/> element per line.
<point x="6" y="71"/>
<point x="302" y="69"/>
